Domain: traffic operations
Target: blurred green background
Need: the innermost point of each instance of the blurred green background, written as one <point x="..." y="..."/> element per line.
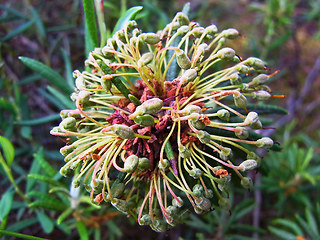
<point x="37" y="201"/>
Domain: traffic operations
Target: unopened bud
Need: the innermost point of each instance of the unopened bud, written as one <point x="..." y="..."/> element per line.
<point x="119" y="35"/>
<point x="252" y="155"/>
<point x="182" y="18"/>
<point x="197" y="32"/>
<point x="203" y="136"/>
<point x="248" y="165"/>
<point x="151" y="38"/>
<point x="246" y="182"/>
<point x="241" y="132"/>
<point x="172" y="210"/>
<point x="261" y="95"/>
<point x="116" y="190"/>
<point x="260" y="79"/>
<point x="80" y="83"/>
<point x="208" y="193"/>
<point x="253" y="121"/>
<point x="256" y="63"/>
<point x="264" y="142"/>
<point x="123" y="131"/>
<point x="224" y="204"/>
<point x="191" y="109"/>
<point x="66" y="150"/>
<point x="230" y="33"/>
<point x="195" y="173"/>
<point x="189" y="75"/>
<point x="132" y="24"/>
<point x="205" y="204"/>
<point x="184" y="152"/>
<point x="145" y="59"/>
<point x="240" y="101"/>
<point x="226" y="54"/>
<point x="145" y="220"/>
<point x="164" y="164"/>
<point x="131" y="163"/>
<point x="144" y="120"/>
<point x="68" y="123"/>
<point x="136" y="32"/>
<point x="83" y="97"/>
<point x="183" y="60"/>
<point x="212" y="29"/>
<point x="202" y="49"/>
<point x="177" y="202"/>
<point x="198" y="124"/>
<point x="223" y="114"/>
<point x="225" y="153"/>
<point x="242" y="69"/>
<point x="235" y="79"/>
<point x="197" y="190"/>
<point x="121" y="205"/>
<point x="143" y="164"/>
<point x="183" y="29"/>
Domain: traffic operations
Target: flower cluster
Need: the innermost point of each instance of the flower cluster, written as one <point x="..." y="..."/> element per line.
<point x="157" y="120"/>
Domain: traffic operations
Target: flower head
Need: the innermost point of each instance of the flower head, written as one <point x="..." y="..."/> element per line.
<point x="148" y="138"/>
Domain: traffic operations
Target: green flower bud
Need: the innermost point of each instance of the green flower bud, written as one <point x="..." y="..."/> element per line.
<point x="145" y="59"/>
<point x="123" y="131"/>
<point x="226" y="54"/>
<point x="224" y="114"/>
<point x="208" y="193"/>
<point x="177" y="203"/>
<point x="143" y="164"/>
<point x="172" y="210"/>
<point x="261" y="95"/>
<point x="197" y="190"/>
<point x="198" y="210"/>
<point x="198" y="124"/>
<point x="197" y="32"/>
<point x="224" y="183"/>
<point x="195" y="173"/>
<point x="235" y="79"/>
<point x="203" y="137"/>
<point x="107" y="52"/>
<point x="80" y="83"/>
<point x="189" y="75"/>
<point x="83" y="97"/>
<point x="241" y="132"/>
<point x="242" y="69"/>
<point x="136" y="32"/>
<point x="131" y="163"/>
<point x="260" y="79"/>
<point x="212" y="29"/>
<point x="224" y="204"/>
<point x="191" y="109"/>
<point x="164" y="165"/>
<point x="246" y="182"/>
<point x="240" y="101"/>
<point x="222" y="41"/>
<point x="144" y="120"/>
<point x="252" y="120"/>
<point x="159" y="225"/>
<point x="132" y="24"/>
<point x="252" y="155"/>
<point x="150" y="38"/>
<point x="248" y="165"/>
<point x="97" y="185"/>
<point x="66" y="171"/>
<point x="264" y="142"/>
<point x="184" y="152"/>
<point x="226" y="153"/>
<point x="183" y="60"/>
<point x="66" y="150"/>
<point x="119" y="35"/>
<point x="116" y="190"/>
<point x="183" y="29"/>
<point x="121" y="205"/>
<point x="230" y="33"/>
<point x="150" y="106"/>
<point x="145" y="220"/>
<point x="182" y="18"/>
<point x="69" y="124"/>
<point x="202" y="49"/>
<point x="205" y="204"/>
<point x="256" y="63"/>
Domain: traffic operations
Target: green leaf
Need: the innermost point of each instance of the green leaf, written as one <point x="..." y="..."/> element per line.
<point x="289" y="224"/>
<point x="38" y="121"/>
<point x="35" y="168"/>
<point x="44" y="179"/>
<point x="312" y="222"/>
<point x="64" y="215"/>
<point x="68" y="68"/>
<point x="282" y="234"/>
<point x="83" y="233"/>
<point x="38" y="21"/>
<point x="47" y="72"/>
<point x="45" y="222"/>
<point x="50" y="204"/>
<point x="5" y="204"/>
<point x="14" y="12"/>
<point x="22" y="224"/>
<point x="90" y="19"/>
<point x="20" y="235"/>
<point x="39" y="157"/>
<point x="128" y="15"/>
<point x="18" y="30"/>
<point x="7" y="149"/>
<point x="62" y="98"/>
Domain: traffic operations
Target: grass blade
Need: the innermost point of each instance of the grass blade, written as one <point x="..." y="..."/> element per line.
<point x="8" y="150"/>
<point x="90" y="19"/>
<point x="128" y="15"/>
<point x="20" y="235"/>
<point x="18" y="30"/>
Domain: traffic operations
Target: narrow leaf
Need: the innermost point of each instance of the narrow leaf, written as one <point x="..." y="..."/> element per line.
<point x="18" y="30"/>
<point x="20" y="235"/>
<point x="38" y="21"/>
<point x="64" y="215"/>
<point x="7" y="149"/>
<point x="39" y="157"/>
<point x="62" y="98"/>
<point x="83" y="233"/>
<point x="90" y="19"/>
<point x="46" y="223"/>
<point x="289" y="224"/>
<point x="47" y="72"/>
<point x="44" y="179"/>
<point x="38" y="121"/>
<point x="68" y="68"/>
<point x="5" y="204"/>
<point x="128" y="15"/>
<point x="312" y="222"/>
<point x="18" y="226"/>
<point x="282" y="234"/>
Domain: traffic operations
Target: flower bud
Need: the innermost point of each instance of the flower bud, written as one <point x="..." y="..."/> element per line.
<point x="116" y="190"/>
<point x="261" y="95"/>
<point x="144" y="120"/>
<point x="252" y="155"/>
<point x="198" y="124"/>
<point x="172" y="210"/>
<point x="66" y="150"/>
<point x="68" y="123"/>
<point x="145" y="220"/>
<point x="260" y="79"/>
<point x="143" y="164"/>
<point x="208" y="193"/>
<point x="246" y="182"/>
<point x="197" y="32"/>
<point x="66" y="171"/>
<point x="121" y="205"/>
<point x="224" y="183"/>
<point x="264" y="142"/>
<point x="203" y="137"/>
<point x="145" y="59"/>
<point x="164" y="165"/>
<point x="83" y="97"/>
<point x="212" y="29"/>
<point x="240" y="101"/>
<point x="80" y="83"/>
<point x="111" y="43"/>
<point x="159" y="225"/>
<point x="224" y="204"/>
<point x="182" y="18"/>
<point x="150" y="106"/>
<point x="205" y="204"/>
<point x="136" y="32"/>
<point x="183" y="60"/>
<point x="150" y="38"/>
<point x="248" y="165"/>
<point x="202" y="49"/>
<point x="177" y="203"/>
<point x="230" y="33"/>
<point x="198" y="210"/>
<point x="107" y="52"/>
<point x="222" y="41"/>
<point x="253" y="121"/>
<point x="189" y="75"/>
<point x="184" y="152"/>
<point x="120" y="36"/>
<point x="123" y="131"/>
<point x="132" y="24"/>
<point x="242" y="69"/>
<point x="195" y="173"/>
<point x="197" y="190"/>
<point x="183" y="29"/>
<point x="226" y="153"/>
<point x="235" y="79"/>
<point x="223" y="114"/>
<point x="131" y="163"/>
<point x="97" y="185"/>
<point x="256" y="63"/>
<point x="241" y="132"/>
<point x="226" y="54"/>
<point x="191" y="109"/>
